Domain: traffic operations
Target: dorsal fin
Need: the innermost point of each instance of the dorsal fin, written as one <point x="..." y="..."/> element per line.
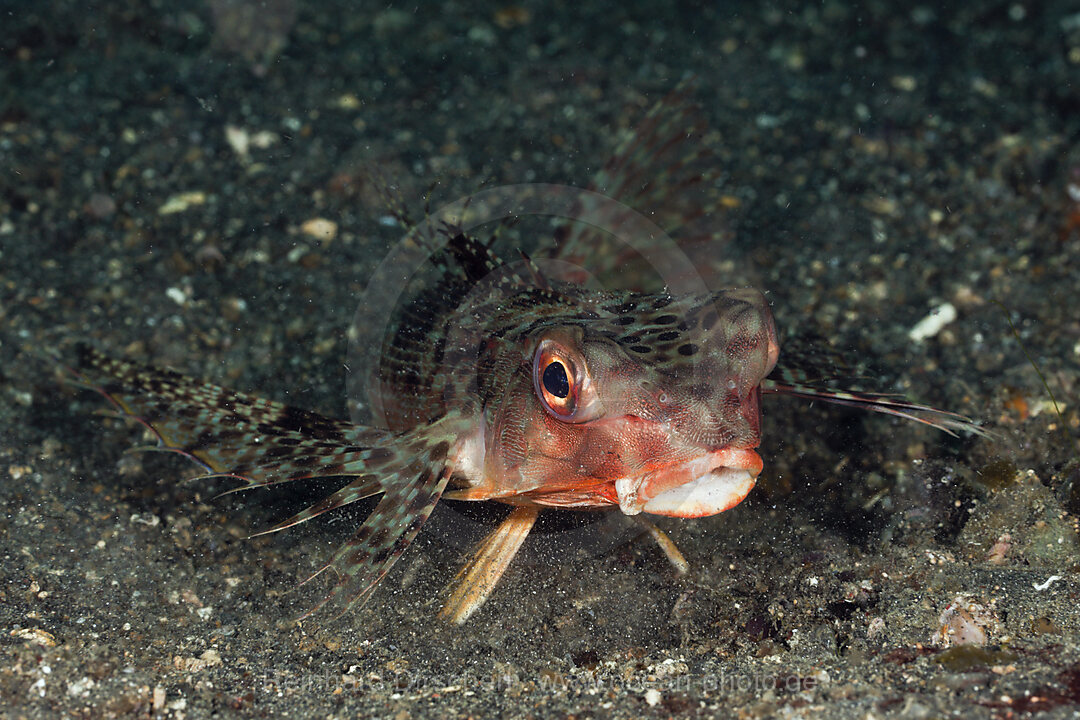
<point x="665" y="168"/>
<point x="537" y="275"/>
<point x="439" y="318"/>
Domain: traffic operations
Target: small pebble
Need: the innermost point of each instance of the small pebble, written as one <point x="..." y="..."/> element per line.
<point x="181" y="202"/>
<point x="320" y="228"/>
<point x="933" y="323"/>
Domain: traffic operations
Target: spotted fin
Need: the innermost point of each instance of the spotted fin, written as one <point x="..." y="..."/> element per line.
<point x="264" y="443"/>
<point x="228" y="433"/>
<point x="368" y="555"/>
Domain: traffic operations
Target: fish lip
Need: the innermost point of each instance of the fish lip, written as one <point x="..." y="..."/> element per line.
<point x="699" y="487"/>
<point x="710" y="494"/>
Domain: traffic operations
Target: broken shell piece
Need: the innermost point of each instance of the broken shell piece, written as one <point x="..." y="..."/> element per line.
<point x="320" y="229"/>
<point x="932" y="324"/>
<point x="965" y="622"/>
<point x="1000" y="550"/>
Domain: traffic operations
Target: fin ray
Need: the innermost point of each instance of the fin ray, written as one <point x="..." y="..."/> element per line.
<point x="476" y="580"/>
<point x="365" y="559"/>
<point x="948" y="422"/>
<point x="264" y="443"/>
<point x="361" y="488"/>
<point x="227" y="432"/>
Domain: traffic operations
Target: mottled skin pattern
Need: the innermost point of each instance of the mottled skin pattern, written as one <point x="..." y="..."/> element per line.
<point x="659" y="390"/>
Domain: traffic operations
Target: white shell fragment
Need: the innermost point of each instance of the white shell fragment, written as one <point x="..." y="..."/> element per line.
<point x="966" y="621"/>
<point x="932" y="324"/>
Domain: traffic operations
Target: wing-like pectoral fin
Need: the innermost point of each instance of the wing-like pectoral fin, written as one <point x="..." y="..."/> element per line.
<point x="228" y="433"/>
<point x="264" y="443"/>
<point x="475" y="582"/>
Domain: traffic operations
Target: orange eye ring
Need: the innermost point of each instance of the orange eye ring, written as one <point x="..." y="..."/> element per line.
<point x="555" y="380"/>
<point x="561" y="381"/>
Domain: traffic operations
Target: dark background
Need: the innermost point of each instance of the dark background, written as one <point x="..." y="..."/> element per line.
<point x="880" y="161"/>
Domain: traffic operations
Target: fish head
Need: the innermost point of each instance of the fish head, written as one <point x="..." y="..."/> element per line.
<point x="651" y="404"/>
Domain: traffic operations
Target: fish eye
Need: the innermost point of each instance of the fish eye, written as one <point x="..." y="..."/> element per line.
<point x="562" y="382"/>
<point x="555" y="380"/>
<point x="554" y="385"/>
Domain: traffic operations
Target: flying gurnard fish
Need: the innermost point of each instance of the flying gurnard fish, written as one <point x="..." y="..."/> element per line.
<point x="563" y="396"/>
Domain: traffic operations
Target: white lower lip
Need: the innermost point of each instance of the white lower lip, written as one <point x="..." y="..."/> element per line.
<point x="712" y="493"/>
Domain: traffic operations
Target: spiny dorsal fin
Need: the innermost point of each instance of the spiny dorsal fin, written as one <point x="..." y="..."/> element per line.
<point x="534" y="270"/>
<point x="665" y="168"/>
<point x="471" y="282"/>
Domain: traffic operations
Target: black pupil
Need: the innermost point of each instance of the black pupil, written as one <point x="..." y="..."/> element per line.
<point x="555" y="380"/>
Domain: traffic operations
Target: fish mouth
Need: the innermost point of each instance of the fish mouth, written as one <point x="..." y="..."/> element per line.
<point x="700" y="487"/>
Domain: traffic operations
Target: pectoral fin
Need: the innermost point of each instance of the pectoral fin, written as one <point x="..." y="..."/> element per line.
<point x="264" y="443"/>
<point x="369" y="554"/>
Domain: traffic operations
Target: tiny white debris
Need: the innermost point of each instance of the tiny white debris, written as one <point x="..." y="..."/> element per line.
<point x="1044" y="585"/>
<point x="1039" y="406"/>
<point x="181" y="202"/>
<point x="812" y="581"/>
<point x="348" y="101"/>
<point x="81" y="688"/>
<point x="1074" y="192"/>
<point x="320" y="228"/>
<point x="36" y="635"/>
<point x="263" y="139"/>
<point x="177" y="295"/>
<point x="209" y="658"/>
<point x="147" y="519"/>
<point x="652" y="697"/>
<point x="297" y="252"/>
<point x="239" y="140"/>
<point x="905" y="83"/>
<point x="767" y="122"/>
<point x="932" y="324"/>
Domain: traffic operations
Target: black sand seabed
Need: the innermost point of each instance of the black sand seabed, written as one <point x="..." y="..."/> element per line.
<point x="880" y="162"/>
